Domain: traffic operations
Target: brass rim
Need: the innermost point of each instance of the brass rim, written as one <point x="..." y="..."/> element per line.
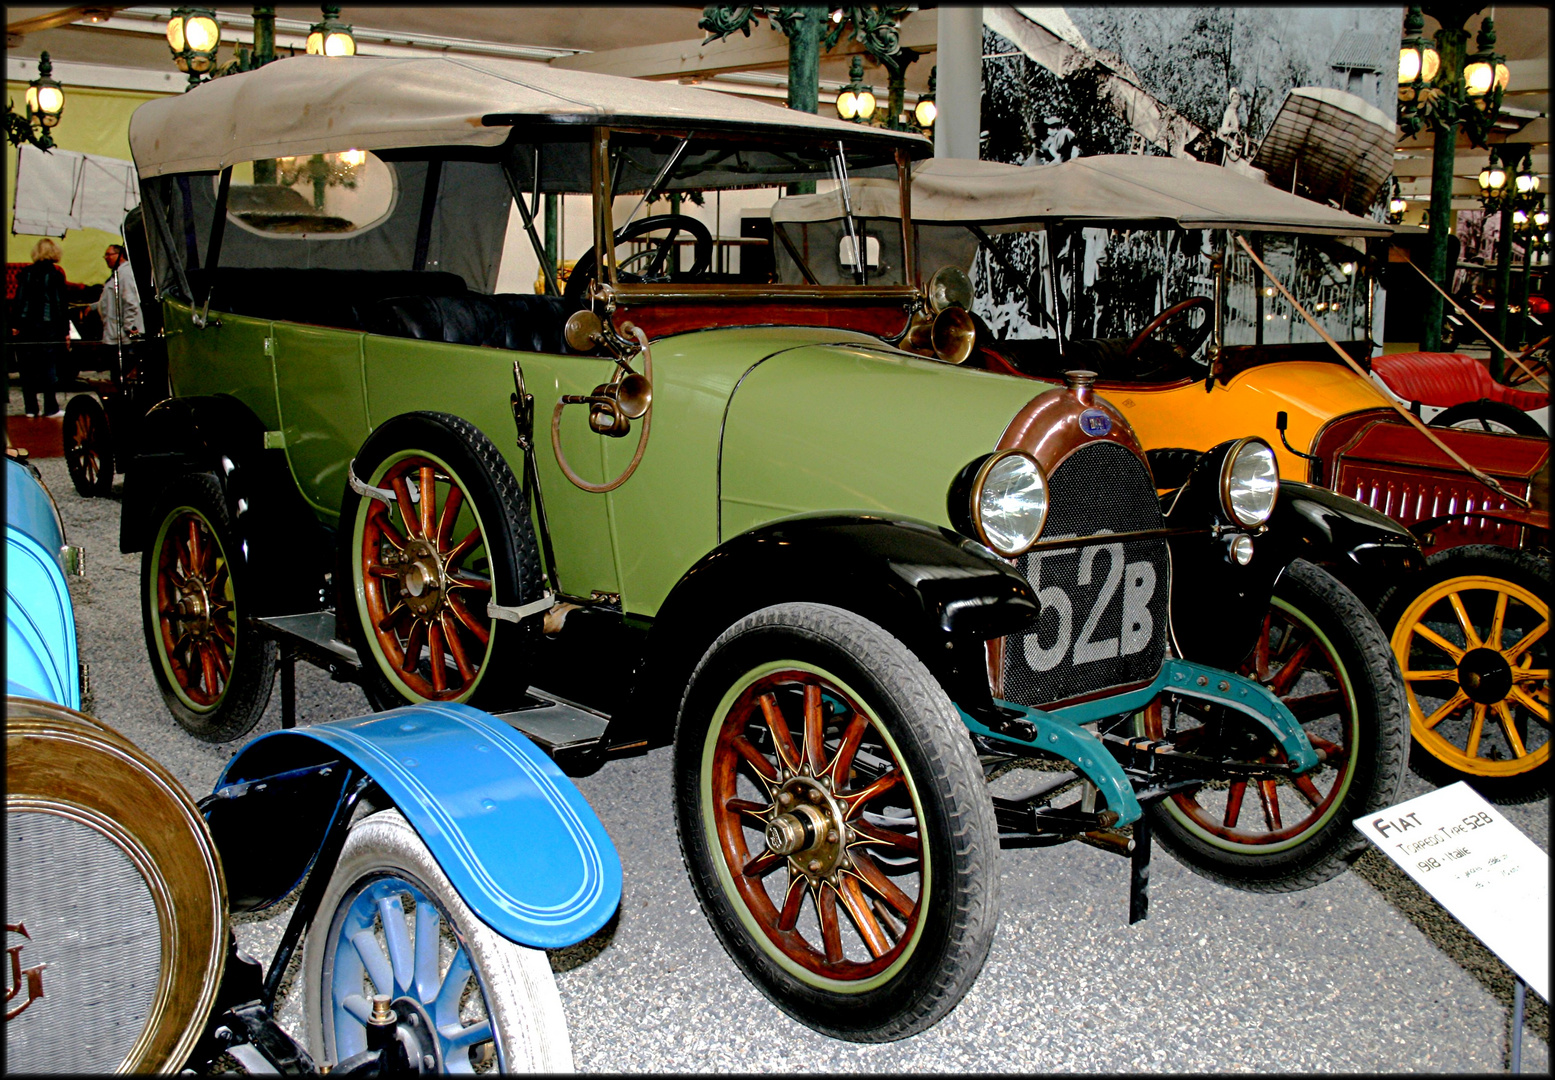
<point x="196" y="610"/>
<point x="818" y="836"/>
<point x="69" y="765"/>
<point x="1476" y="670"/>
<point x="1298" y="664"/>
<point x="425" y="591"/>
<point x="977" y="502"/>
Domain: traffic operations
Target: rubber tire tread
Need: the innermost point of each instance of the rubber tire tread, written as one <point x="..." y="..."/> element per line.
<point x="915" y="707"/>
<point x="1377" y="783"/>
<point x="254" y="659"/>
<point x="520" y="989"/>
<point x="78" y="404"/>
<point x="1529" y="569"/>
<point x="505" y="511"/>
<point x="1497" y="412"/>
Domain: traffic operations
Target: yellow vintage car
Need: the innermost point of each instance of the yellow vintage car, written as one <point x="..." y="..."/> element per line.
<point x="1129" y="266"/>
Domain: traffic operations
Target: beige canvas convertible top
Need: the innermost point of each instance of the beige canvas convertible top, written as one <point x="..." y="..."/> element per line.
<point x="1106" y="190"/>
<point x="317" y="104"/>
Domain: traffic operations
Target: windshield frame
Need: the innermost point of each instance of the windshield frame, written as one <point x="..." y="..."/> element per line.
<point x="659" y="292"/>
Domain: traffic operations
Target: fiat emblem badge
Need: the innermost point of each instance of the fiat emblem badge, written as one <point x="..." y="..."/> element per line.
<point x="1094" y="422"/>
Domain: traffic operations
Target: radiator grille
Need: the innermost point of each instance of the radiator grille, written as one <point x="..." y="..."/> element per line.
<point x="90" y="917"/>
<point x="1411" y="495"/>
<point x="1104" y="620"/>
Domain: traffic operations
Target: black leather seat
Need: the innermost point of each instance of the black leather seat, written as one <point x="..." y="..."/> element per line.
<point x="520" y="321"/>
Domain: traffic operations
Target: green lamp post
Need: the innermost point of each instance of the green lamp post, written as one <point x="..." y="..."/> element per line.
<point x="856" y="101"/>
<point x="809" y="31"/>
<point x="45" y="105"/>
<point x="1441" y="87"/>
<point x="193" y="37"/>
<point x="925" y="112"/>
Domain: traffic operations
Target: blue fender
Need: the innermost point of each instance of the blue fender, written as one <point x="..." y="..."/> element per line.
<point x="40" y="624"/>
<point x="515" y="837"/>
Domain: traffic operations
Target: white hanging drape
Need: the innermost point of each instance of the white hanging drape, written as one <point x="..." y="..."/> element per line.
<point x="62" y="190"/>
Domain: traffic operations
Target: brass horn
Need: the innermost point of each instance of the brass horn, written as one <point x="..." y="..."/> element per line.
<point x="953" y="335"/>
<point x="633" y="394"/>
<point x="615" y="404"/>
<point x="945" y="329"/>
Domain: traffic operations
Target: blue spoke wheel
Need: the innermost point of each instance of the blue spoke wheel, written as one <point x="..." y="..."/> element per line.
<point x="392" y="934"/>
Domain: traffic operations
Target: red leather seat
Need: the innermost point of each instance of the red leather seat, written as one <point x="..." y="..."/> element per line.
<point x="1444" y="379"/>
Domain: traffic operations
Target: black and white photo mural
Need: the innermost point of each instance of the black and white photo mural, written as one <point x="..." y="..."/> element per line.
<point x="1203" y="82"/>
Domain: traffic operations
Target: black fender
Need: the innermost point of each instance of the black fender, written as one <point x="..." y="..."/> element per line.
<point x="288" y="552"/>
<point x="1362" y="547"/>
<point x="941" y="593"/>
<point x="1218" y="604"/>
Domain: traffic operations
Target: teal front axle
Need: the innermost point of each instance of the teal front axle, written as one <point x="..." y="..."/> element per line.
<point x="1059" y="731"/>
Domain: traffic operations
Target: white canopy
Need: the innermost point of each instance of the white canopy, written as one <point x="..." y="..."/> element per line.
<point x="1106" y="190"/>
<point x="317" y="104"/>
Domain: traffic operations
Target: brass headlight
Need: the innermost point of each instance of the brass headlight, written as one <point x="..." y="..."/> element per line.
<point x="949" y="287"/>
<point x="1007" y="501"/>
<point x="1249" y="482"/>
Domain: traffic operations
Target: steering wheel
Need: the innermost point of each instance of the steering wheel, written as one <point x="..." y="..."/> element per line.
<point x="646" y="265"/>
<point x="1535" y="365"/>
<point x="1172" y="314"/>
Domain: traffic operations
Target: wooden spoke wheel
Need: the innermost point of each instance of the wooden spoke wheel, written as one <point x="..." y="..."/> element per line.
<point x="214" y="669"/>
<point x="1323" y="655"/>
<point x="196" y="611"/>
<point x="426" y="578"/>
<point x="818" y="826"/>
<point x="425" y="567"/>
<point x="1472" y="641"/>
<point x="88" y="446"/>
<point x="835" y="822"/>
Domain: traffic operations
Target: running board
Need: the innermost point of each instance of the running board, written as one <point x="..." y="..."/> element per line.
<point x="569" y="733"/>
<point x="563" y="729"/>
<point x="312" y="635"/>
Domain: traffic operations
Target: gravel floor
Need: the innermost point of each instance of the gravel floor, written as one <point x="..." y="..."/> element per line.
<point x="1363" y="974"/>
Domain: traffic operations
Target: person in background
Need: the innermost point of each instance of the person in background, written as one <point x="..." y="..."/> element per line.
<point x="42" y="324"/>
<point x="119" y="304"/>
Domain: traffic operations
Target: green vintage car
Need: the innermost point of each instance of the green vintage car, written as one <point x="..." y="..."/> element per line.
<point x="735" y="497"/>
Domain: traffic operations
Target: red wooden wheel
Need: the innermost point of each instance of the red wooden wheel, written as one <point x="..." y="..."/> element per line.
<point x="1322" y="654"/>
<point x="426" y="581"/>
<point x="1301" y="670"/>
<point x="197" y="616"/>
<point x="817" y="826"/>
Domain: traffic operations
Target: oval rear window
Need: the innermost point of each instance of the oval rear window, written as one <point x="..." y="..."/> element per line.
<point x="312" y="197"/>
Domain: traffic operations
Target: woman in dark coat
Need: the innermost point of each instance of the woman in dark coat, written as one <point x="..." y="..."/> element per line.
<point x="42" y="324"/>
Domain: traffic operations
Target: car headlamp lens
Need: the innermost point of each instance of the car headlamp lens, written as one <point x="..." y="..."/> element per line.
<point x="1249" y="482"/>
<point x="1009" y="502"/>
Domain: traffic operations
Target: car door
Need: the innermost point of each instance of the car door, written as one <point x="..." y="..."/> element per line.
<point x="322" y="405"/>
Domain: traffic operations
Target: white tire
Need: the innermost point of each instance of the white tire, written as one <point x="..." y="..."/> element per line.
<point x="383" y="865"/>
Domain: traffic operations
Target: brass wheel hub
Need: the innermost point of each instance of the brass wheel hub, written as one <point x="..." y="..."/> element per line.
<point x="421" y="578"/>
<point x="194" y="609"/>
<point x="808" y="826"/>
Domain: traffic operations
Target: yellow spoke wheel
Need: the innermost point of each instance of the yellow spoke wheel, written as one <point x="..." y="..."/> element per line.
<point x="1471" y="639"/>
